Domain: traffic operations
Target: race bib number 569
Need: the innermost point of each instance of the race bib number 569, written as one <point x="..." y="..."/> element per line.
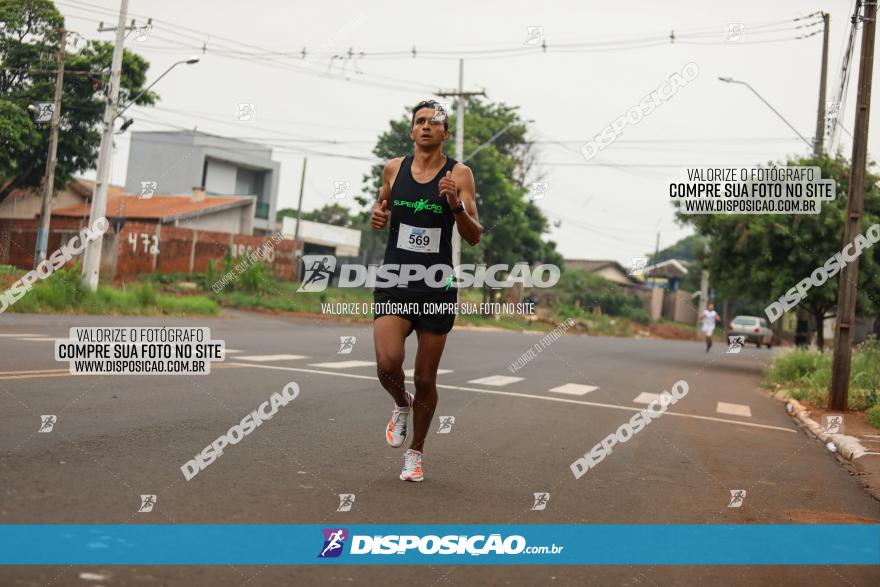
<point x="417" y="239"/>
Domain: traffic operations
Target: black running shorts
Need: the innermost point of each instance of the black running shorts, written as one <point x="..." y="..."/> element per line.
<point x="420" y="309"/>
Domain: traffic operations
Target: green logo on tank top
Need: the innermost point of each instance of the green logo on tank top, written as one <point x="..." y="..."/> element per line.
<point x="420" y="205"/>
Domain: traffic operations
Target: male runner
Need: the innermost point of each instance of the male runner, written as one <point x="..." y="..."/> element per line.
<point x="423" y="196"/>
<point x="709" y="318"/>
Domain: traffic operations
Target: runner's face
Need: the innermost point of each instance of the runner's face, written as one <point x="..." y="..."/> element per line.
<point x="426" y="131"/>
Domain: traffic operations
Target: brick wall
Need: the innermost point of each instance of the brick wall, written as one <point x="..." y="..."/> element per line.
<point x="142" y="247"/>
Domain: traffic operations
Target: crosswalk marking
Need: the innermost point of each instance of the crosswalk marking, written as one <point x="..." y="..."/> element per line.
<point x="342" y="364"/>
<point x="734" y="409"/>
<point x="574" y="389"/>
<point x="412" y="372"/>
<point x="646" y="398"/>
<point x="263" y="358"/>
<point x="496" y="380"/>
<point x="530" y="396"/>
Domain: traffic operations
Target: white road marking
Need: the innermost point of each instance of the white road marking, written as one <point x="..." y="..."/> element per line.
<point x="525" y="395"/>
<point x="342" y="364"/>
<point x="411" y="372"/>
<point x="17" y="335"/>
<point x="34" y="371"/>
<point x="574" y="389"/>
<point x="646" y="398"/>
<point x="734" y="409"/>
<point x="39" y="375"/>
<point x="262" y="358"/>
<point x="233" y="351"/>
<point x="40" y="339"/>
<point x="496" y="380"/>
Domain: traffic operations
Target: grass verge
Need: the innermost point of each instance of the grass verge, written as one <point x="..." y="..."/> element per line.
<point x="807" y="376"/>
<point x="62" y="292"/>
<point x="255" y="288"/>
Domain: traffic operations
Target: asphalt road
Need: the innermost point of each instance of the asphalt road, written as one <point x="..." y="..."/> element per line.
<point x="118" y="437"/>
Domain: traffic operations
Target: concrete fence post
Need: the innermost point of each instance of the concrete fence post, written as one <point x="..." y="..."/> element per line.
<point x="192" y="251"/>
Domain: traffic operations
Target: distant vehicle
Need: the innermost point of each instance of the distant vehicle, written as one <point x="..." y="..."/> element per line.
<point x="753" y="328"/>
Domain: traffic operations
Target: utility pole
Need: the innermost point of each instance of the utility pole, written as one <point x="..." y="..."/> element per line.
<point x="299" y="210"/>
<point x="460" y="94"/>
<point x="839" y="100"/>
<point x="92" y="258"/>
<point x="49" y="181"/>
<point x="299" y="206"/>
<point x="846" y="296"/>
<point x="818" y="146"/>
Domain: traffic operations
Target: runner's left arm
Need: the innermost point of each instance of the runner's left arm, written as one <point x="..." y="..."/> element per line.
<point x="468" y="222"/>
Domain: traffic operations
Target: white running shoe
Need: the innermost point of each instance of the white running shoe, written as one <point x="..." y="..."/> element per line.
<point x="412" y="466"/>
<point x="395" y="432"/>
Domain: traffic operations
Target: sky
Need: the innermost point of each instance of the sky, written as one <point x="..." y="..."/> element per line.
<point x="602" y="58"/>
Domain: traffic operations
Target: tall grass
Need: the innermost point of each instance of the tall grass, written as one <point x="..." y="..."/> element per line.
<point x="808" y="375"/>
<point x="63" y="292"/>
<point x="243" y="276"/>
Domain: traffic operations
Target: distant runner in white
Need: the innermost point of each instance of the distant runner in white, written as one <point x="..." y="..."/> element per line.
<point x="709" y="318"/>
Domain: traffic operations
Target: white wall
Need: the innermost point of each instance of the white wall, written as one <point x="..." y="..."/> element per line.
<point x="220" y="177"/>
<point x="234" y="221"/>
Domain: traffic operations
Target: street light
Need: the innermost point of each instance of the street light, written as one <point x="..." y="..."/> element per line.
<point x="92" y="256"/>
<point x="190" y="61"/>
<point x="493" y="137"/>
<point x="730" y="80"/>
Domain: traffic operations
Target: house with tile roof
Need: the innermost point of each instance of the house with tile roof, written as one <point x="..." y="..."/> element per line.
<point x="231" y="214"/>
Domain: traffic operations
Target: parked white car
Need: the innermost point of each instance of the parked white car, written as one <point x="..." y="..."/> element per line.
<point x="753" y="328"/>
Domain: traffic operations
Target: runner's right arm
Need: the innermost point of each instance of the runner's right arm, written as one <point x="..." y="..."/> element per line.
<point x="381" y="212"/>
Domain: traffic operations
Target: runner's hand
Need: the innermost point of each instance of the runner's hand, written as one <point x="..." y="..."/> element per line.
<point x="449" y="189"/>
<point x="380" y="215"/>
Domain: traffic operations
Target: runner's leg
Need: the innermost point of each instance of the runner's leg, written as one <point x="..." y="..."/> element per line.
<point x="427" y="361"/>
<point x="389" y="335"/>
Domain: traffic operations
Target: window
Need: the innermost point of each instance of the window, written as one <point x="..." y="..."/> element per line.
<point x="739" y="321"/>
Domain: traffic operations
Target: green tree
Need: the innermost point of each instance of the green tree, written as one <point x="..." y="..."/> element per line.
<point x="334" y="214"/>
<point x="29" y="44"/>
<point x="690" y="250"/>
<point x="513" y="226"/>
<point x="759" y="257"/>
<point x="590" y="290"/>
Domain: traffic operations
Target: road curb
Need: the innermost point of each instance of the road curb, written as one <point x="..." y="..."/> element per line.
<point x="848" y="447"/>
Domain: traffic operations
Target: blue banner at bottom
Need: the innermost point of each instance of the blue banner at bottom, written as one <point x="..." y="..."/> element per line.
<point x="468" y="544"/>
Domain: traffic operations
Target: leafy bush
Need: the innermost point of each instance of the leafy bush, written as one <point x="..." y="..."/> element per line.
<point x="255" y="279"/>
<point x="873" y="416"/>
<point x="636" y="314"/>
<point x="590" y="290"/>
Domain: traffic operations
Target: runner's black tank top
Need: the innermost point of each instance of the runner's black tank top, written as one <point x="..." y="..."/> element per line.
<point x="421" y="225"/>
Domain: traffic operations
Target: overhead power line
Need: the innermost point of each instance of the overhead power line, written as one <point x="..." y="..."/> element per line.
<point x="245" y="51"/>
